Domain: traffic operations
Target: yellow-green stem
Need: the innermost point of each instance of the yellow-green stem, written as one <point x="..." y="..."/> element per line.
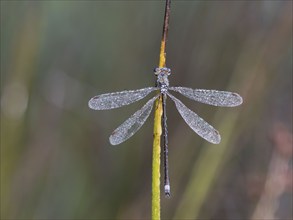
<point x="156" y="161"/>
<point x="157" y="147"/>
<point x="156" y="208"/>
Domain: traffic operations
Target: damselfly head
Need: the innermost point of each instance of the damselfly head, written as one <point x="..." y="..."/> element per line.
<point x="162" y="71"/>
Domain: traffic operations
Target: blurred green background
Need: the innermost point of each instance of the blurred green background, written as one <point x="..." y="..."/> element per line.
<point x="56" y="160"/>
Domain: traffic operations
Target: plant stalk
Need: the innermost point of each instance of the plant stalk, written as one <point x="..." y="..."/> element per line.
<point x="156" y="208"/>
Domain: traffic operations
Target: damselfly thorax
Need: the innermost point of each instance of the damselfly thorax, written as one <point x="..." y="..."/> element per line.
<point x="162" y="78"/>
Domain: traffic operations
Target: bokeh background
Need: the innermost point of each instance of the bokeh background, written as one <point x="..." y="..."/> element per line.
<point x="56" y="161"/>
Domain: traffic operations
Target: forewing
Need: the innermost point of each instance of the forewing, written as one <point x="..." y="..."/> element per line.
<point x="118" y="99"/>
<point x="132" y="124"/>
<point x="210" y="97"/>
<point x="196" y="123"/>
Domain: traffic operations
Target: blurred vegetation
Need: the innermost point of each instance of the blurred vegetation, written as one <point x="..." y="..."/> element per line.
<point x="56" y="161"/>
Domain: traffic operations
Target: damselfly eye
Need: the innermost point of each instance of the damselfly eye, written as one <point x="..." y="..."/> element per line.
<point x="156" y="70"/>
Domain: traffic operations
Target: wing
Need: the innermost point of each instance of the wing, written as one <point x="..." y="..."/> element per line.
<point x="118" y="99"/>
<point x="196" y="123"/>
<point x="132" y="124"/>
<point x="210" y="97"/>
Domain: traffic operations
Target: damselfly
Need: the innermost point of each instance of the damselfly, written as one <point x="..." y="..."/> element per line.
<point x="134" y="123"/>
